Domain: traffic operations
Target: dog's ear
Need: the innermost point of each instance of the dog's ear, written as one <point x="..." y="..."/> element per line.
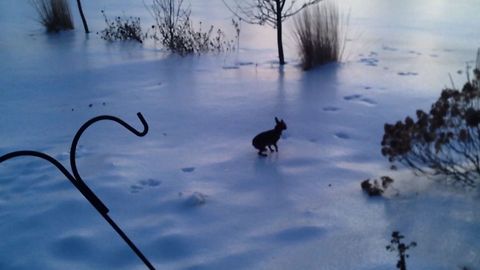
<point x="276" y="120"/>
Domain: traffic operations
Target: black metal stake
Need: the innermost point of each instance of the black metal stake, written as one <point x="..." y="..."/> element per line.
<point x="77" y="180"/>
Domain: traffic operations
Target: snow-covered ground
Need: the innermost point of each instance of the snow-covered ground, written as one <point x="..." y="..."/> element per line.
<point x="192" y="193"/>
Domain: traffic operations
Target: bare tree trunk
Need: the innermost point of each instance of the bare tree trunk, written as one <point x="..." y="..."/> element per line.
<point x="84" y="21"/>
<point x="270" y="12"/>
<point x="279" y="34"/>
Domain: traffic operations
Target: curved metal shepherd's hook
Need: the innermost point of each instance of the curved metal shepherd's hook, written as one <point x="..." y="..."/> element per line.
<point x="77" y="180"/>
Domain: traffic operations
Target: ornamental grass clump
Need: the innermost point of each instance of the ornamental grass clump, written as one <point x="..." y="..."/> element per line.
<point x="319" y="35"/>
<point x="54" y="15"/>
<point x="444" y="141"/>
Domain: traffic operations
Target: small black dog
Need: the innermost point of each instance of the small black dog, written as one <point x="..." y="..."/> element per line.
<point x="269" y="138"/>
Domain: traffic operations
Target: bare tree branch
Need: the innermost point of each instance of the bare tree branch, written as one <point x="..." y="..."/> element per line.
<point x="270" y="12"/>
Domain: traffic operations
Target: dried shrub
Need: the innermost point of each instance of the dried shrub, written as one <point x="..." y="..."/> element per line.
<point x="122" y="28"/>
<point x="54" y="15"/>
<point x="444" y="141"/>
<point x="396" y="245"/>
<point x="175" y="31"/>
<point x="318" y="32"/>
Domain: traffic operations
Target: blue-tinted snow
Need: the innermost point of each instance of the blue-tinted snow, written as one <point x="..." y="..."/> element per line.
<point x="300" y="208"/>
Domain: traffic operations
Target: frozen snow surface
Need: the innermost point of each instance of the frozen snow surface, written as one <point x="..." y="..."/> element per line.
<point x="192" y="193"/>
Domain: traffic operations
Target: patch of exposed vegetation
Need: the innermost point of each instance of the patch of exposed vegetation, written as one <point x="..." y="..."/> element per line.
<point x="444" y="141"/>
